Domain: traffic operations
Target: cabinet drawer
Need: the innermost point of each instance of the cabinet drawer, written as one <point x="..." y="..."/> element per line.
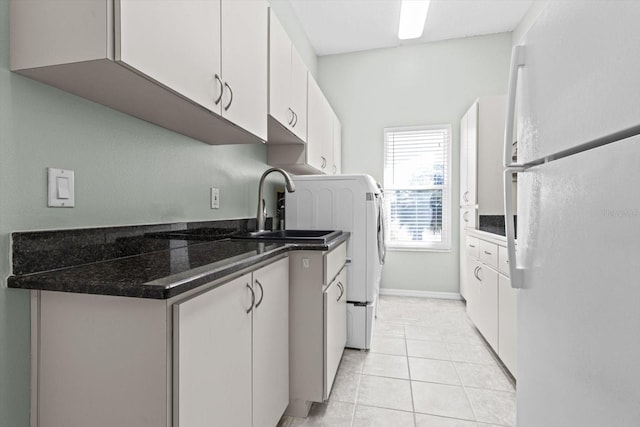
<point x="473" y="247"/>
<point x="489" y="254"/>
<point x="334" y="261"/>
<point x="503" y="260"/>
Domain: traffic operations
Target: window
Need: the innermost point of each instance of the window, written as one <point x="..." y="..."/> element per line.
<point x="416" y="183"/>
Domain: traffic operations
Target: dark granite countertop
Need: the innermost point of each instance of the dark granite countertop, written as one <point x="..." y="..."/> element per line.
<point x="162" y="274"/>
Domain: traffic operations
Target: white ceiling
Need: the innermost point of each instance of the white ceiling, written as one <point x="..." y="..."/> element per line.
<point x="340" y="26"/>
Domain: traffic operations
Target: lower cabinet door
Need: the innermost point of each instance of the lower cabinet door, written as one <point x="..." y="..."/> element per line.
<point x="482" y="306"/>
<point x="335" y="328"/>
<point x="507" y="319"/>
<point x="212" y="357"/>
<point x="270" y="344"/>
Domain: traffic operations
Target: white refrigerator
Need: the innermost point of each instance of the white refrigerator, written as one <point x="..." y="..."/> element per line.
<point x="351" y="203"/>
<point x="575" y="79"/>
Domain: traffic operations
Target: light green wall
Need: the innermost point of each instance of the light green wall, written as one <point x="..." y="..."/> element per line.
<point x="412" y="85"/>
<point x="127" y="172"/>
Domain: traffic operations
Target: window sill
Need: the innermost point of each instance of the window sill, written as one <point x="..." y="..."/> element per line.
<point x="417" y="249"/>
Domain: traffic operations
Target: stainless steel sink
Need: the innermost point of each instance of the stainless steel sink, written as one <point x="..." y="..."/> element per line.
<point x="310" y="236"/>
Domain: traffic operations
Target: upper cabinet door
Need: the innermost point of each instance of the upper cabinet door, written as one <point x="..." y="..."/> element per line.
<point x="299" y="94"/>
<point x="337" y="146"/>
<point x="464" y="161"/>
<point x="472" y="154"/>
<point x="320" y="128"/>
<point x="174" y="42"/>
<point x="244" y="64"/>
<point x="280" y="73"/>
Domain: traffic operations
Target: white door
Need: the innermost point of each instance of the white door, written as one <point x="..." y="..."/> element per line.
<point x="270" y="344"/>
<point x="319" y="128"/>
<point x="336" y="152"/>
<point x="335" y="328"/>
<point x="464" y="162"/>
<point x="467" y="220"/>
<point x="578" y="314"/>
<point x="299" y="94"/>
<point x="580" y="78"/>
<point x="212" y="357"/>
<point x="472" y="155"/>
<point x="185" y="60"/>
<point x="279" y="72"/>
<point x="244" y="64"/>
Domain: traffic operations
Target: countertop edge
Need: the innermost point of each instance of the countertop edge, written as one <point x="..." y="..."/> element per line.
<point x="172" y="285"/>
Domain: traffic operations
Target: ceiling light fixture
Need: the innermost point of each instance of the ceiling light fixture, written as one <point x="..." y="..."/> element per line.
<point x="413" y="14"/>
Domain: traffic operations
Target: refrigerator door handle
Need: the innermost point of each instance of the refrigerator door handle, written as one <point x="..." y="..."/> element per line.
<point x="517" y="62"/>
<point x="515" y="273"/>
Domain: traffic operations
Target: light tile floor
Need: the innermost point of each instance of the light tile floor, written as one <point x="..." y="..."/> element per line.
<point x="427" y="367"/>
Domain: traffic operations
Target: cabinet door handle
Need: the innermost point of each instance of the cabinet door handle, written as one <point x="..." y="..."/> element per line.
<point x="217" y="100"/>
<point x="253" y="298"/>
<point x="292" y="116"/>
<point x="487" y="252"/>
<point x="324" y="162"/>
<point x="335" y="169"/>
<point x="472" y="246"/>
<point x="465" y="196"/>
<point x="295" y="119"/>
<point x="261" y="293"/>
<point x="230" y="97"/>
<point x="465" y="216"/>
<point x="341" y="290"/>
<point x="476" y="273"/>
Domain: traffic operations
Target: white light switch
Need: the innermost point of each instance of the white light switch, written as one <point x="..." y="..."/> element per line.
<point x="62" y="184"/>
<point x="61" y="192"/>
<point x="215" y="198"/>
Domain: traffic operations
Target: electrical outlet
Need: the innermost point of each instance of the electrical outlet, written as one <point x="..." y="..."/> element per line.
<point x="215" y="198"/>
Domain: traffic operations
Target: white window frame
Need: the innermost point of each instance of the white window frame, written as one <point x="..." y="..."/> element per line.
<point x="445" y="244"/>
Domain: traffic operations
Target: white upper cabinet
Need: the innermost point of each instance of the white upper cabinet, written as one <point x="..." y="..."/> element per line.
<point x="287" y="88"/>
<point x="185" y="61"/>
<point x="337" y="146"/>
<point x="319" y="129"/>
<point x="169" y="62"/>
<point x="481" y="139"/>
<point x="244" y="64"/>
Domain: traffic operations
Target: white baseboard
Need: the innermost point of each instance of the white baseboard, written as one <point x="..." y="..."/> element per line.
<point x="420" y="294"/>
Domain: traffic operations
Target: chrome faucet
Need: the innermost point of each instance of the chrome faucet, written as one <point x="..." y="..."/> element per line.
<point x="261" y="213"/>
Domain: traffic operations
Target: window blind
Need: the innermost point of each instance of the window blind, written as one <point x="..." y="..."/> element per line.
<point x="416" y="182"/>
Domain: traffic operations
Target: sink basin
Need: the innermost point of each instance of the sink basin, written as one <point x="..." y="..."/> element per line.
<point x="310" y="236"/>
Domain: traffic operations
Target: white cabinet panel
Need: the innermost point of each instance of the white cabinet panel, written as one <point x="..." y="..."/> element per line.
<point x="489" y="254"/>
<point x="299" y="76"/>
<point x="244" y="64"/>
<point x="482" y="305"/>
<point x="212" y="351"/>
<point x="319" y="128"/>
<point x="335" y="329"/>
<point x="287" y="86"/>
<point x="271" y="343"/>
<point x="507" y="323"/>
<point x="336" y="153"/>
<point x="185" y="61"/>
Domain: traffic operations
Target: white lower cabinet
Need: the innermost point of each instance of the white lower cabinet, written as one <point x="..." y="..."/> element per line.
<point x="217" y="357"/>
<point x="335" y="327"/>
<point x="318" y="324"/>
<point x="231" y="352"/>
<point x="507" y="321"/>
<point x="482" y="303"/>
<point x="491" y="302"/>
<point x="212" y="357"/>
